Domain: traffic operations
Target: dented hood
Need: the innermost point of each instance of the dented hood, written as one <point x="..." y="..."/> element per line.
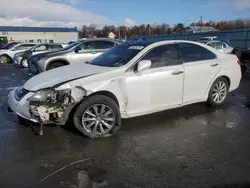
<point x="63" y="74"/>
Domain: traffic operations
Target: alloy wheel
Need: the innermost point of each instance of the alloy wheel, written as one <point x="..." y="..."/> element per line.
<point x="98" y="119"/>
<point x="219" y="92"/>
<point x="25" y="63"/>
<point x="3" y="60"/>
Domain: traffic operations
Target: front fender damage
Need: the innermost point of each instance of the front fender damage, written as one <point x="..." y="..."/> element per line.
<point x="57" y="109"/>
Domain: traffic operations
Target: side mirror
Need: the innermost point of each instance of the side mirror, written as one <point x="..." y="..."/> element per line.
<point x="143" y="65"/>
<point x="77" y="49"/>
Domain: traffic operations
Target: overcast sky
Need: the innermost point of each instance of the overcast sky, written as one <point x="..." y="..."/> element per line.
<point x="71" y="13"/>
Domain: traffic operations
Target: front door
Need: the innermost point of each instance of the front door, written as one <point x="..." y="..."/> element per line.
<point x="85" y="52"/>
<point x="200" y="67"/>
<point x="160" y="86"/>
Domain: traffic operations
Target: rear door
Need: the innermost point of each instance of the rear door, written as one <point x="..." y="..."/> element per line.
<point x="200" y="67"/>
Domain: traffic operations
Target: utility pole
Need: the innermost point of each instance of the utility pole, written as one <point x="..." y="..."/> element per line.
<point x="201" y="24"/>
<point x="148" y="29"/>
<point x="119" y="33"/>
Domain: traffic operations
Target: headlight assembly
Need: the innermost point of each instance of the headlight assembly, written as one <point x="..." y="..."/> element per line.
<point x="51" y="97"/>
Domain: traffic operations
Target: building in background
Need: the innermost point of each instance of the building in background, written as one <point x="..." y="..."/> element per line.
<point x="199" y="29"/>
<point x="39" y="34"/>
<point x="111" y="35"/>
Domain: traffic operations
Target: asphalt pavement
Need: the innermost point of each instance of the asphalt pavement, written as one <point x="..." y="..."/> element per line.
<point x="194" y="146"/>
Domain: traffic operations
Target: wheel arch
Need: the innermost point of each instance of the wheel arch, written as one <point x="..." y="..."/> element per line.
<point x="221" y="76"/>
<point x="66" y="62"/>
<point x="6" y="55"/>
<point x="107" y="94"/>
<point x="103" y="92"/>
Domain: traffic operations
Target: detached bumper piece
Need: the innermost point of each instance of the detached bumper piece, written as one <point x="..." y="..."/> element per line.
<point x="33" y="67"/>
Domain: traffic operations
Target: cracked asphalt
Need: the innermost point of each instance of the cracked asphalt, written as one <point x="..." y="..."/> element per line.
<point x="194" y="146"/>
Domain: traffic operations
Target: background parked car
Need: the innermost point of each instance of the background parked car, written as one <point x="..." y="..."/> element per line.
<point x="78" y="52"/>
<point x="21" y="57"/>
<point x="7" y="55"/>
<point x="244" y="56"/>
<point x="221" y="46"/>
<point x="8" y="46"/>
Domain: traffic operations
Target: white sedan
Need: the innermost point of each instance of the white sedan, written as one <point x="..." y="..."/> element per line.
<point x="128" y="80"/>
<point x="7" y="55"/>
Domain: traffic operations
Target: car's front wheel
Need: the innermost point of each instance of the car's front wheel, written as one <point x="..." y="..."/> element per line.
<point x="4" y="59"/>
<point x="218" y="92"/>
<point x="98" y="116"/>
<point x="24" y="62"/>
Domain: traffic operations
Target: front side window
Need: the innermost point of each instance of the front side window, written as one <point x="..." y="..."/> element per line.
<point x="161" y="56"/>
<point x="86" y="46"/>
<point x="103" y="44"/>
<point x="192" y="52"/>
<point x="41" y="48"/>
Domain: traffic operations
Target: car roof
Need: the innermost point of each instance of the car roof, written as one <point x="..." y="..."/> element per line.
<point x="100" y="39"/>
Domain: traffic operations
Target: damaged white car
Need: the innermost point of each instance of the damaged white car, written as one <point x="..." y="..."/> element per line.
<point x="128" y="80"/>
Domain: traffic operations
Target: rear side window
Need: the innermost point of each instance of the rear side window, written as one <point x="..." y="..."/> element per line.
<point x="55" y="46"/>
<point x="41" y="48"/>
<point x="162" y="56"/>
<point x="192" y="52"/>
<point x="104" y="44"/>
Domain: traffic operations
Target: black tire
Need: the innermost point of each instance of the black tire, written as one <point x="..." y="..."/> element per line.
<point x="4" y="59"/>
<point x="23" y="63"/>
<point x="55" y="65"/>
<point x="210" y="100"/>
<point x="97" y="99"/>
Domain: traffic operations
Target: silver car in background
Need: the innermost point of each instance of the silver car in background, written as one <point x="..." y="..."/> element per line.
<point x="21" y="57"/>
<point x="7" y="55"/>
<point x="77" y="52"/>
<point x="221" y="46"/>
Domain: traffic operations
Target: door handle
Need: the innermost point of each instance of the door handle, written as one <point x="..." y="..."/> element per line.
<point x="93" y="52"/>
<point x="214" y="65"/>
<point x="177" y="72"/>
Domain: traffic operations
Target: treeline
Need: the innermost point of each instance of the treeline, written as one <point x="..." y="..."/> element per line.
<point x="157" y="29"/>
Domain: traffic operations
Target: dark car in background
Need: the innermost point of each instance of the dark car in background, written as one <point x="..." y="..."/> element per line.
<point x="21" y="58"/>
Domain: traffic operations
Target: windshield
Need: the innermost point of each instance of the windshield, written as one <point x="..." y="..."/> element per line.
<point x="117" y="56"/>
<point x="71" y="45"/>
<point x="9" y="46"/>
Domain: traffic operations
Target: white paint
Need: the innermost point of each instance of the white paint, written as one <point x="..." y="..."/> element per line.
<point x="146" y="92"/>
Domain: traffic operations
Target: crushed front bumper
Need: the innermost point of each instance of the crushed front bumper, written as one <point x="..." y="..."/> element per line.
<point x="21" y="107"/>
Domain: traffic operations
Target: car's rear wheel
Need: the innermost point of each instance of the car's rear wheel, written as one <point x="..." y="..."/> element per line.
<point x="97" y="117"/>
<point x="218" y="92"/>
<point x="4" y="59"/>
<point x="24" y="62"/>
<point x="55" y="65"/>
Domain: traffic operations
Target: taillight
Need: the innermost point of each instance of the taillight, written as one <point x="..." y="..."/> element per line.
<point x="239" y="63"/>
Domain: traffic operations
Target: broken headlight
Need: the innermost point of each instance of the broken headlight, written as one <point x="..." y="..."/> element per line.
<point x="51" y="97"/>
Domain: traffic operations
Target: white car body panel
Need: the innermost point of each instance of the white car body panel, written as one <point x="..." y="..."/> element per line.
<point x="12" y="53"/>
<point x="198" y="76"/>
<point x="146" y="92"/>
